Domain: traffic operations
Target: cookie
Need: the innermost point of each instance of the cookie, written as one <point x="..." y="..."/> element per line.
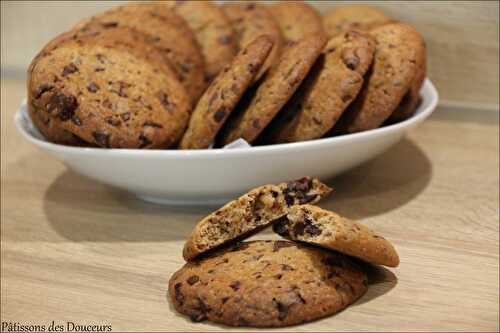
<point x="250" y="21"/>
<point x="109" y="95"/>
<point x="398" y="48"/>
<point x="168" y="32"/>
<point x="327" y="229"/>
<point x="359" y="17"/>
<point x="223" y="94"/>
<point x="275" y="90"/>
<point x="332" y="85"/>
<point x="297" y="20"/>
<point x="266" y="284"/>
<point x="252" y="211"/>
<point x="411" y="99"/>
<point x="213" y="32"/>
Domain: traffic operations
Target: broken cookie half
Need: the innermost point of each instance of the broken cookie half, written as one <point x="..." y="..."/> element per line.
<point x="251" y="212"/>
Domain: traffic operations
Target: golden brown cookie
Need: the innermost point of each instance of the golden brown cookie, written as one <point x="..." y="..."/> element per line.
<point x="394" y="68"/>
<point x="213" y="32"/>
<point x="167" y="31"/>
<point x="266" y="284"/>
<point x="223" y="94"/>
<point x="359" y="17"/>
<point x="274" y="91"/>
<point x="252" y="211"/>
<point x="297" y="20"/>
<point x="311" y="224"/>
<point x="250" y="20"/>
<point x="332" y="85"/>
<point x="110" y="93"/>
<point x="411" y="99"/>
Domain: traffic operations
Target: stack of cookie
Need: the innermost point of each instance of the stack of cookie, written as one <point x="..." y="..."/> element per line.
<point x="192" y="74"/>
<point x="276" y="283"/>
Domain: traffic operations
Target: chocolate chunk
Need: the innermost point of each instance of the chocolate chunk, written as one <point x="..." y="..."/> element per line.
<point x="281" y="244"/>
<point x="224" y="39"/>
<point x="76" y="120"/>
<point x="179" y="297"/>
<point x="166" y="103"/>
<point x="278" y="276"/>
<point x="152" y="124"/>
<point x="251" y="68"/>
<point x="99" y="69"/>
<point x="220" y="114"/>
<point x="235" y="285"/>
<point x="312" y="230"/>
<point x="43" y="88"/>
<point x="350" y="59"/>
<point x="102" y="59"/>
<point x="282" y="310"/>
<point x="144" y="140"/>
<point x="280" y="227"/>
<point x="107" y="25"/>
<point x="92" y="87"/>
<point x="201" y="311"/>
<point x="193" y="279"/>
<point x="125" y="116"/>
<point x="274" y="194"/>
<point x="300" y="185"/>
<point x="113" y="121"/>
<point x="102" y="139"/>
<point x="120" y="90"/>
<point x="307" y="198"/>
<point x="225" y="299"/>
<point x="289" y="200"/>
<point x="63" y="105"/>
<point x="69" y="69"/>
<point x="298" y="228"/>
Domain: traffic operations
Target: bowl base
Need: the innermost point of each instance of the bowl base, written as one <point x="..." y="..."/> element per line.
<point x="183" y="202"/>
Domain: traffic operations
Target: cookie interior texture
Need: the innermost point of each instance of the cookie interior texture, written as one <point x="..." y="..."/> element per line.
<point x="317" y="226"/>
<point x="266" y="284"/>
<point x="255" y="209"/>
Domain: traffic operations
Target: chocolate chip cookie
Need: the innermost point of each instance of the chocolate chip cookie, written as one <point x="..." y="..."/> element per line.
<point x="275" y="90"/>
<point x="297" y="20"/>
<point x="266" y="284"/>
<point x="332" y="85"/>
<point x="167" y="31"/>
<point x="213" y="32"/>
<point x="327" y="229"/>
<point x="252" y="211"/>
<point x="360" y="17"/>
<point x="250" y="20"/>
<point x="411" y="99"/>
<point x="223" y="94"/>
<point x="398" y="48"/>
<point x="101" y="90"/>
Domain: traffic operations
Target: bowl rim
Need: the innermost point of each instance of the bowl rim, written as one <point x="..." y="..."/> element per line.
<point x="427" y="87"/>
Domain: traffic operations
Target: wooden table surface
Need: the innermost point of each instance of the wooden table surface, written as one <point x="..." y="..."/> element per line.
<point x="74" y="250"/>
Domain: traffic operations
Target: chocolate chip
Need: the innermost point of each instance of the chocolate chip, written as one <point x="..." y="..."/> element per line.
<point x="235" y="285"/>
<point x="282" y="310"/>
<point x="92" y="87"/>
<point x="300" y="185"/>
<point x="179" y="297"/>
<point x="193" y="279"/>
<point x="69" y="69"/>
<point x="76" y="120"/>
<point x="144" y="140"/>
<point x="225" y="299"/>
<point x="281" y="244"/>
<point x="278" y="276"/>
<point x="152" y="124"/>
<point x="298" y="228"/>
<point x="102" y="59"/>
<point x="285" y="267"/>
<point x="63" y="105"/>
<point x="250" y="6"/>
<point x="256" y="124"/>
<point x="225" y="39"/>
<point x="280" y="227"/>
<point x="109" y="24"/>
<point x="166" y="103"/>
<point x="42" y="89"/>
<point x="274" y="194"/>
<point x="220" y="114"/>
<point x="251" y="68"/>
<point x="113" y="121"/>
<point x="120" y="90"/>
<point x="99" y="69"/>
<point x="211" y="271"/>
<point x="313" y="230"/>
<point x="350" y="59"/>
<point x="102" y="139"/>
<point x="125" y="116"/>
<point x="306" y="198"/>
<point x="346" y="98"/>
<point x="224" y="261"/>
<point x="201" y="311"/>
<point x="288" y="199"/>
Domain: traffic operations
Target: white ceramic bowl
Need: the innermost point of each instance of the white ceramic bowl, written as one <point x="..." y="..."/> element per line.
<point x="216" y="175"/>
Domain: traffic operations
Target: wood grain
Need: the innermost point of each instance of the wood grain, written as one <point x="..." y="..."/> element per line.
<point x="74" y="250"/>
<point x="462" y="39"/>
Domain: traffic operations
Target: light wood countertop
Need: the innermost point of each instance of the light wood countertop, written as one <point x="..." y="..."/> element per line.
<point x="74" y="250"/>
